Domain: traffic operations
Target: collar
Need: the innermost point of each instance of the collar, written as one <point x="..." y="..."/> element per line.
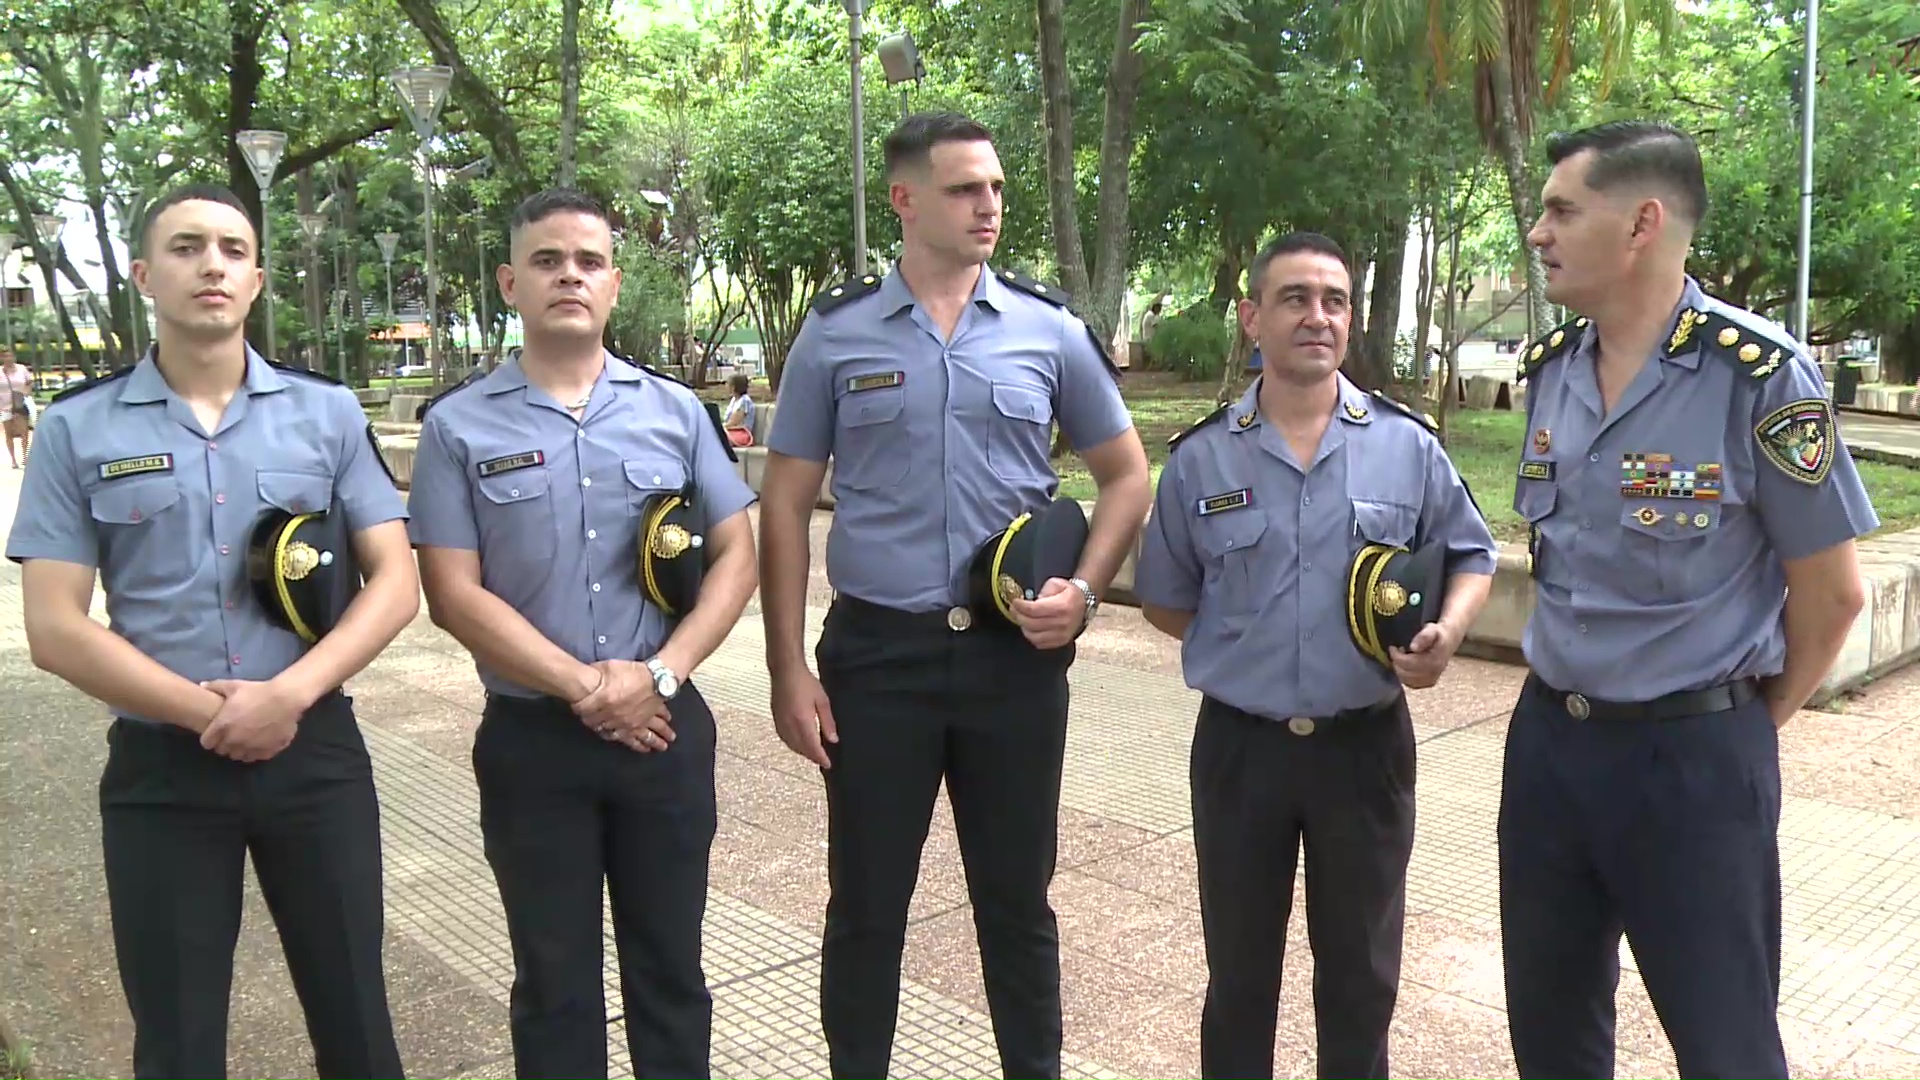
<point x="1244" y="415"/>
<point x="1353" y="405"/>
<point x="146" y="385"/>
<point x="896" y="297"/>
<point x="1694" y="303"/>
<point x="511" y="376"/>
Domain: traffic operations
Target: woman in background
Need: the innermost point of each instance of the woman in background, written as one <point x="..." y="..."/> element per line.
<point x="739" y="416"/>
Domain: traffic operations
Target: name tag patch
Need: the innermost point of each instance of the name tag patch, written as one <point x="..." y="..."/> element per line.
<point x="1653" y="476"/>
<point x="134" y="466"/>
<point x="876" y="382"/>
<point x="1232" y="500"/>
<point x="512" y="462"/>
<point x="1537" y="470"/>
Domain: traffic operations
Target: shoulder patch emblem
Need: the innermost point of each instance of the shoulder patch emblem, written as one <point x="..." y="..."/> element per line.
<point x="1212" y="417"/>
<point x="1798" y="439"/>
<point x="845" y="293"/>
<point x="1551" y="347"/>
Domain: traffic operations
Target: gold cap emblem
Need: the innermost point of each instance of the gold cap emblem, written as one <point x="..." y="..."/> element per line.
<point x="1009" y="589"/>
<point x="298" y="561"/>
<point x="1389" y="599"/>
<point x="671" y="542"/>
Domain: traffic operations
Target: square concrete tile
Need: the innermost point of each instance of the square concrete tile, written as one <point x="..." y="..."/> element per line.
<point x="1165" y="869"/>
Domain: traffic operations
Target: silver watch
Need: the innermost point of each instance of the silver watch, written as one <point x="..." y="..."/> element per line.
<point x="665" y="682"/>
<point x="1093" y="602"/>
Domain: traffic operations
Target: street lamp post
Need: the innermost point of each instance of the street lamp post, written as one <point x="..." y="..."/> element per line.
<point x="854" y="10"/>
<point x="7" y="240"/>
<point x="262" y="149"/>
<point x="388" y="243"/>
<point x="422" y="91"/>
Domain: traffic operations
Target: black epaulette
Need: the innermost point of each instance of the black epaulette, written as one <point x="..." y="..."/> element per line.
<point x="309" y="373"/>
<point x="708" y="407"/>
<point x="473" y="376"/>
<point x="1213" y="417"/>
<point x="657" y="373"/>
<point x="1059" y="297"/>
<point x="1409" y="411"/>
<point x="1551" y="347"/>
<point x="846" y="293"/>
<point x="1757" y="354"/>
<point x="97" y="381"/>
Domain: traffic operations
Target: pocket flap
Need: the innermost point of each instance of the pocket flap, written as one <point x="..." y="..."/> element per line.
<point x="294" y="492"/>
<point x="871" y="406"/>
<point x="1222" y="534"/>
<point x="1022" y="403"/>
<point x="1670" y="519"/>
<point x="517" y="486"/>
<point x="1388" y="523"/>
<point x="1534" y="499"/>
<point x="656" y="474"/>
<point x="132" y="502"/>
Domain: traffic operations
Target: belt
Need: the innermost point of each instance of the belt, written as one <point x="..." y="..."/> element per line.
<point x="1300" y="725"/>
<point x="1676" y="706"/>
<point x="957" y="619"/>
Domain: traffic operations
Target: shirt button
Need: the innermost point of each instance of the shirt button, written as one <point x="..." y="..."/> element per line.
<point x="1587" y="523"/>
<point x="656" y="479"/>
<point x="1583" y="628"/>
<point x="514" y="493"/>
<point x="1308" y="636"/>
<point x="580" y="433"/>
<point x="223" y="549"/>
<point x="586" y="481"/>
<point x="603" y="639"/>
<point x="236" y="661"/>
<point x="220" y="497"/>
<point x="593" y="534"/>
<point x="596" y="586"/>
<point x="135" y="515"/>
<point x="229" y="605"/>
<point x="1306" y="500"/>
<point x="213" y="445"/>
<point x="1593" y="457"/>
<point x="1229" y="543"/>
<point x="1306" y="566"/>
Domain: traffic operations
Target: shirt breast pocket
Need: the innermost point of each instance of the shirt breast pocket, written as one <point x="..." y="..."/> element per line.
<point x="294" y="492"/>
<point x="1673" y="538"/>
<point x="515" y="516"/>
<point x="1020" y="432"/>
<point x="1229" y="543"/>
<point x="1380" y="521"/>
<point x="870" y="448"/>
<point x="647" y="477"/>
<point x="144" y="535"/>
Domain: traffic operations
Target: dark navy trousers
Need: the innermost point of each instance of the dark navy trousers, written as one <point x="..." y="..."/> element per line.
<point x="1666" y="830"/>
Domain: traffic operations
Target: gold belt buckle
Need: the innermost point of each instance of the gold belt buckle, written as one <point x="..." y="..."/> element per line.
<point x="1301" y="725"/>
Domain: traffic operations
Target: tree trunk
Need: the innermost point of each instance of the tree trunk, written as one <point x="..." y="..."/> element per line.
<point x="1900" y="352"/>
<point x="349" y="188"/>
<point x="1389" y="270"/>
<point x="1522" y="190"/>
<point x="487" y="112"/>
<point x="569" y="91"/>
<point x="1056" y="114"/>
<point x="1423" y="308"/>
<point x="314" y="354"/>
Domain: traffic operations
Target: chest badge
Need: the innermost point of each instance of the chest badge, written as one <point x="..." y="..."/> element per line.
<point x="511" y="463"/>
<point x="136" y="466"/>
<point x="880" y="381"/>
<point x="1218" y="504"/>
<point x="1542" y="441"/>
<point x="1245" y="421"/>
<point x="1647" y="515"/>
<point x="1654" y="476"/>
<point x="1355" y="412"/>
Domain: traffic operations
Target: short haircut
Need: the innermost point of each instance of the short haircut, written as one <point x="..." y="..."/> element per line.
<point x="911" y="142"/>
<point x="1292" y="244"/>
<point x="1639" y="152"/>
<point x="191" y="193"/>
<point x="558" y="200"/>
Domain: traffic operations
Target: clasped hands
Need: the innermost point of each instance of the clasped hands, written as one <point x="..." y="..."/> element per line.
<point x="623" y="707"/>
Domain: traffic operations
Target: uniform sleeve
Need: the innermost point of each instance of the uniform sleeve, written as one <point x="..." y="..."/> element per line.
<point x="52" y="520"/>
<point x="1169" y="573"/>
<point x="362" y="483"/>
<point x="716" y="480"/>
<point x="1806" y="489"/>
<point x="1090" y="410"/>
<point x="803" y="412"/>
<point x="1449" y="516"/>
<point x="440" y="498"/>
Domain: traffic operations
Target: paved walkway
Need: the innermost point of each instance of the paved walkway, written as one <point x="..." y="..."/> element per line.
<point x="1126" y="897"/>
<point x="1883" y="433"/>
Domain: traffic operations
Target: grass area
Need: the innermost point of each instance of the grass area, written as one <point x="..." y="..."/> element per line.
<point x="1484" y="446"/>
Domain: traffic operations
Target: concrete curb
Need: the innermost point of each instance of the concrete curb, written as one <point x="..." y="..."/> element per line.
<point x="1884" y="638"/>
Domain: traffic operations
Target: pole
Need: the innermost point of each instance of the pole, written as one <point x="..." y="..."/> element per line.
<point x="486" y="312"/>
<point x="859" y="145"/>
<point x="393" y="372"/>
<point x="433" y="298"/>
<point x="1804" y="274"/>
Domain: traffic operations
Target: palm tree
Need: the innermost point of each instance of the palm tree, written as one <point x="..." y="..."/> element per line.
<point x="1500" y="43"/>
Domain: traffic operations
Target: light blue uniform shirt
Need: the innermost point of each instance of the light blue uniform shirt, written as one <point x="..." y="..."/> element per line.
<point x="553" y="504"/>
<point x="1266" y="576"/>
<point x="1659" y="528"/>
<point x="123" y="478"/>
<point x="936" y="444"/>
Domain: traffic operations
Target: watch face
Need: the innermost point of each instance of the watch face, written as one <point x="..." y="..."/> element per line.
<point x="666" y="685"/>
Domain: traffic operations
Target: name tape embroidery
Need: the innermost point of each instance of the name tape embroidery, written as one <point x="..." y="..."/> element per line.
<point x="1653" y="476"/>
<point x="512" y="462"/>
<point x="134" y="466"/>
<point x="1537" y="470"/>
<point x="1232" y="500"/>
<point x="876" y="382"/>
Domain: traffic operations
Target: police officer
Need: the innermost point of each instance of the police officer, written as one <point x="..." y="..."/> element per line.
<point x="935" y="390"/>
<point x="548" y="499"/>
<point x="230" y="506"/>
<point x="1288" y="529"/>
<point x="1693" y="515"/>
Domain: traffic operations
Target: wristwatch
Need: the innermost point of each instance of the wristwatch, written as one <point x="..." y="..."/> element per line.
<point x="1093" y="602"/>
<point x="665" y="682"/>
